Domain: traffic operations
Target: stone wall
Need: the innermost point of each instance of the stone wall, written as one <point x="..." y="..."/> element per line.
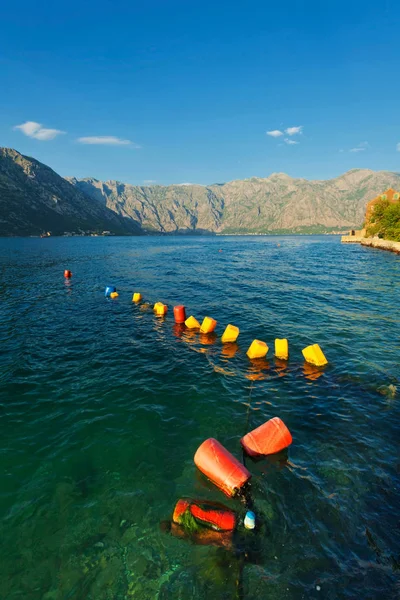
<point x="376" y="242"/>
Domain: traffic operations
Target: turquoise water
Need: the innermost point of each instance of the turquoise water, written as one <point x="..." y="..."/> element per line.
<point x="102" y="407"/>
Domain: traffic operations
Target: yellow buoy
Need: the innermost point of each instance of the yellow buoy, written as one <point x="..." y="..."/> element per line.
<point x="282" y="348"/>
<point x="136" y="297"/>
<point x="314" y="355"/>
<point x="230" y="334"/>
<point x="114" y="295"/>
<point x="208" y="325"/>
<point x="192" y="323"/>
<point x="160" y="309"/>
<point x="258" y="349"/>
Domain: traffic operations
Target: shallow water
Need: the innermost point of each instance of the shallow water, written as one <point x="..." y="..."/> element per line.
<point x="102" y="407"/>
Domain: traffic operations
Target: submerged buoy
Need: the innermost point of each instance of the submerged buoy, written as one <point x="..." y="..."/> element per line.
<point x="179" y="313"/>
<point x="221" y="467"/>
<point x="67" y="274"/>
<point x="271" y="437"/>
<point x="109" y="290"/>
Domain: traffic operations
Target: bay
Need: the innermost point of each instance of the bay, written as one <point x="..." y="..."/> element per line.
<point x="102" y="407"/>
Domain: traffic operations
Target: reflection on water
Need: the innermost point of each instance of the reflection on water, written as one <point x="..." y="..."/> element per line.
<point x="312" y="372"/>
<point x="229" y="350"/>
<point x="102" y="407"/>
<point x="258" y="368"/>
<point x="207" y="339"/>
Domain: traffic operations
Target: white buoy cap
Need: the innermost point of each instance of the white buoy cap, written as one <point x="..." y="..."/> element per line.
<point x="250" y="520"/>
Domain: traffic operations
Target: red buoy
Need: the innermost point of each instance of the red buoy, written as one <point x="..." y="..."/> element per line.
<point x="271" y="437"/>
<point x="223" y="469"/>
<point x="179" y="314"/>
<point x="67" y="274"/>
<point x="206" y="513"/>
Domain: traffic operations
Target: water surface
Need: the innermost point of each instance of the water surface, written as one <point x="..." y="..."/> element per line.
<point x="102" y="407"/>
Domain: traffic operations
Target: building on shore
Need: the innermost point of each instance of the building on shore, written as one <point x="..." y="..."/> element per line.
<point x="356" y="235"/>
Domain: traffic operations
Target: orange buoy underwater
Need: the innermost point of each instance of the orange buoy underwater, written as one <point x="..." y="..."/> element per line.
<point x="223" y="469"/>
<point x="67" y="274"/>
<point x="271" y="437"/>
<point x="179" y="314"/>
<point x="214" y="515"/>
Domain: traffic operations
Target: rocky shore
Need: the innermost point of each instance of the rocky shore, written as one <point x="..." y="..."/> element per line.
<point x="372" y="242"/>
<point x="375" y="242"/>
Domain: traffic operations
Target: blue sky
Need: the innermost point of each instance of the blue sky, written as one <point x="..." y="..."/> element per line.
<point x="177" y="91"/>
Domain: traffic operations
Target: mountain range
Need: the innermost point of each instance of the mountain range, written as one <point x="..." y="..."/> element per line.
<point x="33" y="199"/>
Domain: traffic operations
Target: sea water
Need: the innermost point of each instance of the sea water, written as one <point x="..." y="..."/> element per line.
<point x="103" y="405"/>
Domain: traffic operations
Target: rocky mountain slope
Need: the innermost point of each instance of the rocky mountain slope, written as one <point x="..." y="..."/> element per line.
<point x="277" y="203"/>
<point x="33" y="199"/>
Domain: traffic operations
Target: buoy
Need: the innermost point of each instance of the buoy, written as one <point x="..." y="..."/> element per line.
<point x="214" y="515"/>
<point x="271" y="437"/>
<point x="179" y="314"/>
<point x="137" y="297"/>
<point x="223" y="469"/>
<point x="114" y="295"/>
<point x="314" y="355"/>
<point x="208" y="325"/>
<point x="230" y="334"/>
<point x="67" y="274"/>
<point x="258" y="349"/>
<point x="204" y="523"/>
<point x="192" y="323"/>
<point x="109" y="290"/>
<point x="250" y="520"/>
<point x="160" y="309"/>
<point x="282" y="348"/>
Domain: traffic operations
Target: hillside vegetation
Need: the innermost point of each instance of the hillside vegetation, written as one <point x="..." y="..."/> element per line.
<point x="385" y="221"/>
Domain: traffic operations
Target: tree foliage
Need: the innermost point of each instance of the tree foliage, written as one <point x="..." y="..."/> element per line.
<point x="385" y="221"/>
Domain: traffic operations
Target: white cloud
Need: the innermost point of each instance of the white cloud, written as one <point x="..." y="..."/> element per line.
<point x="362" y="146"/>
<point x="149" y="181"/>
<point x="275" y="133"/>
<point x="106" y="140"/>
<point x="294" y="130"/>
<point x="36" y="131"/>
<point x="290" y="142"/>
<point x="398" y="147"/>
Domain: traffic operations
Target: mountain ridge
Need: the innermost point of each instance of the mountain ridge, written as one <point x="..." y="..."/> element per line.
<point x="277" y="203"/>
<point x="34" y="199"/>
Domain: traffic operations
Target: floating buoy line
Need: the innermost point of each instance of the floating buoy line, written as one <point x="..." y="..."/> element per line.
<point x="201" y="521"/>
<point x="258" y="349"/>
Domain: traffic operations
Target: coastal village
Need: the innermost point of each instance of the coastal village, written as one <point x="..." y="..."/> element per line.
<point x="362" y="236"/>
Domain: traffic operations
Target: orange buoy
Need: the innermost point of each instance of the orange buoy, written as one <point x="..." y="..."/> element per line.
<point x="209" y="514"/>
<point x="179" y="314"/>
<point x="67" y="274"/>
<point x="271" y="437"/>
<point x="223" y="469"/>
